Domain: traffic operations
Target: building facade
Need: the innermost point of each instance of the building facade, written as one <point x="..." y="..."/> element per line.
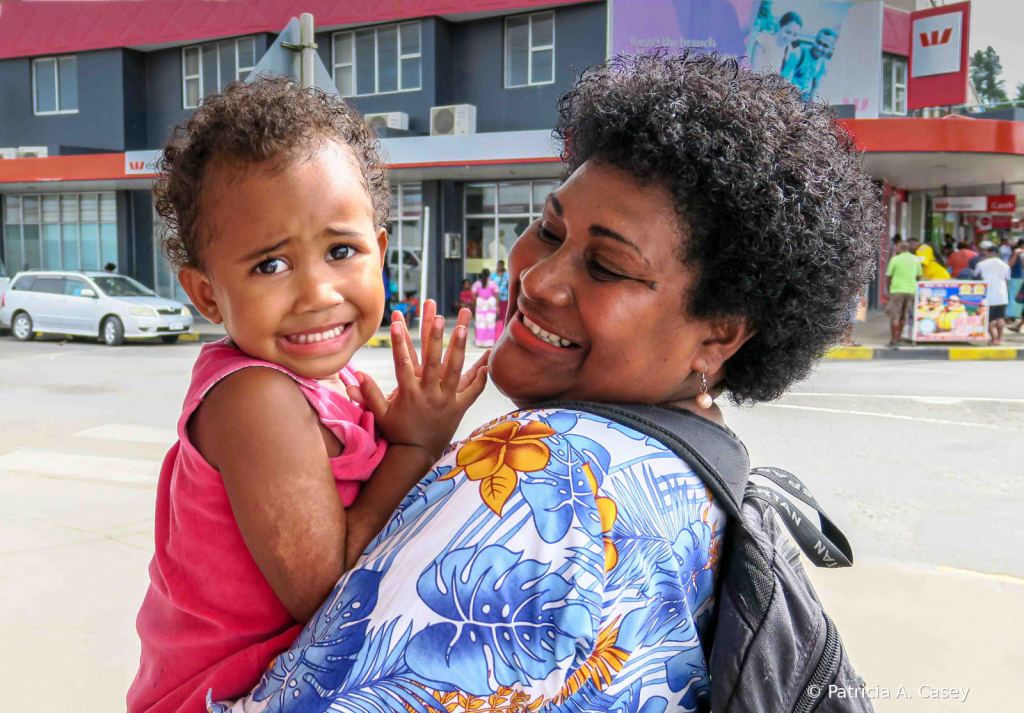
<point x="464" y="92"/>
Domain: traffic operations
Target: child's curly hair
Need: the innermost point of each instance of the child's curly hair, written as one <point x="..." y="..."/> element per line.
<point x="252" y="122"/>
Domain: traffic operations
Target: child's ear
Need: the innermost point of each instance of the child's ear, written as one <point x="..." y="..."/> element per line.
<point x="197" y="286"/>
<point x="382" y="244"/>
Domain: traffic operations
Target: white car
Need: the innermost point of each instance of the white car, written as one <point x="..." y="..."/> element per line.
<point x="89" y="304"/>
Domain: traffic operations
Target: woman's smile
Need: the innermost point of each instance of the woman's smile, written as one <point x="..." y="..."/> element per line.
<point x="317" y="342"/>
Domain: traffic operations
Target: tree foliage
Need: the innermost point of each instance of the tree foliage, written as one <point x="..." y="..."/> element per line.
<point x="985" y="70"/>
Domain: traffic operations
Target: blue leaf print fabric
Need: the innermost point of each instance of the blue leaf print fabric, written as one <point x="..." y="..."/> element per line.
<point x="553" y="561"/>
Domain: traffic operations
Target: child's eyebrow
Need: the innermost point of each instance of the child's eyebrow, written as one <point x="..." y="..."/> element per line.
<point x="342" y="232"/>
<point x="263" y="251"/>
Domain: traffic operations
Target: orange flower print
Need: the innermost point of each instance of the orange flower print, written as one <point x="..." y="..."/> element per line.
<point x="608" y="511"/>
<point x="497" y="456"/>
<point x="602" y="665"/>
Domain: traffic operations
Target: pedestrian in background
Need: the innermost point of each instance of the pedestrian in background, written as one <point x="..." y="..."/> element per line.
<point x="994" y="271"/>
<point x="501" y="280"/>
<point x="901" y="279"/>
<point x="960" y="259"/>
<point x="931" y="268"/>
<point x="1015" y="308"/>
<point x="486" y="293"/>
<point x="1005" y="250"/>
<point x="466" y="299"/>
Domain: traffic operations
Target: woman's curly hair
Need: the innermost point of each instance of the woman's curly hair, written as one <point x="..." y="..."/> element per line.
<point x="778" y="218"/>
<point x="252" y="122"/>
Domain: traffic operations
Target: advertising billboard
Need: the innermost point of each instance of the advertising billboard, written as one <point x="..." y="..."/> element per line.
<point x="830" y="49"/>
<point x="939" y="63"/>
<point x="953" y="311"/>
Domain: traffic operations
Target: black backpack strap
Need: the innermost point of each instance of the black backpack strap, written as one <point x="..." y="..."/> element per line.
<point x="714" y="452"/>
<point x="827" y="547"/>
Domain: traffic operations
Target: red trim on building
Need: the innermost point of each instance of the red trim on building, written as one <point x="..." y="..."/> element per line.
<point x="941" y="89"/>
<point x="896" y="32"/>
<point x="30" y="29"/>
<point x="953" y="134"/>
<point x="110" y="166"/>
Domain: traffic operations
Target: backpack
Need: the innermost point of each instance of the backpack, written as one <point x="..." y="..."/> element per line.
<point x="773" y="648"/>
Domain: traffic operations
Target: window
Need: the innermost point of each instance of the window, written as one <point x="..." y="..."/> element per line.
<point x="530" y="49"/>
<point x="212" y="66"/>
<point x="496" y="214"/>
<point x="60" y="231"/>
<point x="405" y="239"/>
<point x="894" y="84"/>
<point x="378" y="60"/>
<point x="55" y="85"/>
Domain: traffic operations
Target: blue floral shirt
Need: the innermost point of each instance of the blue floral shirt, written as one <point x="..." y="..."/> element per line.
<point x="553" y="561"/>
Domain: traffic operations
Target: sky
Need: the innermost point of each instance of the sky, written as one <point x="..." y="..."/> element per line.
<point x="999" y="23"/>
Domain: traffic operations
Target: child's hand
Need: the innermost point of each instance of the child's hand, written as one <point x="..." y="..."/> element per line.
<point x="428" y="405"/>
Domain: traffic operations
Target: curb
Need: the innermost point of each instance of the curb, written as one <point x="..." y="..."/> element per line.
<point x="932" y="353"/>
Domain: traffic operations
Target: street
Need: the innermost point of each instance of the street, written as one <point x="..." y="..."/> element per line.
<point x="920" y="462"/>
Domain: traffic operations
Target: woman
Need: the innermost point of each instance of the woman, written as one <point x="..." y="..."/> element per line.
<point x="485" y="314"/>
<point x="712" y="233"/>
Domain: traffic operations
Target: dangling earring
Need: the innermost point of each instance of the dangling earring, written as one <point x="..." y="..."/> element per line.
<point x="704" y="399"/>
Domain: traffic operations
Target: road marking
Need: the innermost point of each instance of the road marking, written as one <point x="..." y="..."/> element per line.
<point x="983" y="354"/>
<point x="922" y="399"/>
<point x="129" y="432"/>
<point x="900" y="417"/>
<point x="71" y="465"/>
<point x="1007" y="578"/>
<point x="851" y="353"/>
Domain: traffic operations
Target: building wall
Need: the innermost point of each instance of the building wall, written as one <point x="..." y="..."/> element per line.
<point x="478" y="72"/>
<point x="99" y="124"/>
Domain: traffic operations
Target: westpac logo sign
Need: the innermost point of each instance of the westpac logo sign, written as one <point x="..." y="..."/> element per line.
<point x="937" y="41"/>
<point x="934" y="38"/>
<point x="140" y="163"/>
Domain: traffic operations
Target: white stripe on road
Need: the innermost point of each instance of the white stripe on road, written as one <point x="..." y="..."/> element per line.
<point x="70" y="465"/>
<point x="940" y="400"/>
<point x="900" y="417"/>
<point x="129" y="432"/>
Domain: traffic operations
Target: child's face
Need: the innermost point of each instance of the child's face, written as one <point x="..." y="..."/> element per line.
<point x="293" y="262"/>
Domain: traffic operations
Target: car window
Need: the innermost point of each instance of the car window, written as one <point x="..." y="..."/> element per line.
<point x="74" y="287"/>
<point x="411" y="259"/>
<point x="121" y="286"/>
<point x="24" y="283"/>
<point x="51" y="285"/>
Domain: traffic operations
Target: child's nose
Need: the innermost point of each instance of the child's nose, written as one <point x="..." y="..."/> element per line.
<point x="318" y="289"/>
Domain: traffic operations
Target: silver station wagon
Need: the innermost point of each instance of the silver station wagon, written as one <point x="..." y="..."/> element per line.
<point x="89" y="304"/>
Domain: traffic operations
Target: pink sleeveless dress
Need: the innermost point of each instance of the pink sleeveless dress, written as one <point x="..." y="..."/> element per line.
<point x="210" y="619"/>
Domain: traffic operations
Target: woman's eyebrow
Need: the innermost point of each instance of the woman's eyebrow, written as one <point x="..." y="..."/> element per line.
<point x="599" y="231"/>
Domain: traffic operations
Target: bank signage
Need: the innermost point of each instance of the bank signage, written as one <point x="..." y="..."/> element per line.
<point x="140" y="163"/>
<point x="936" y="42"/>
<point x="975" y="204"/>
<point x="938" y="56"/>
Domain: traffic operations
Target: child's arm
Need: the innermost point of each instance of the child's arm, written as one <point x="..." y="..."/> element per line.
<point x="418" y="419"/>
<point x="258" y="430"/>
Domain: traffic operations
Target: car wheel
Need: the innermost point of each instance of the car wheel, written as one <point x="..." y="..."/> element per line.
<point x="113" y="332"/>
<point x="21" y="327"/>
<point x="169" y="338"/>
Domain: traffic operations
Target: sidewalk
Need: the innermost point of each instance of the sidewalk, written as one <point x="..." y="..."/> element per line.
<point x="872" y="335"/>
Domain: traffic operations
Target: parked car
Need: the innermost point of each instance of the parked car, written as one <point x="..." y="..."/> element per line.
<point x="89" y="304"/>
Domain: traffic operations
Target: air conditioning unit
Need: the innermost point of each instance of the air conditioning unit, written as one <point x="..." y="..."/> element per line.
<point x="9" y="153"/>
<point x="452" y="120"/>
<point x="32" y="152"/>
<point x="388" y="120"/>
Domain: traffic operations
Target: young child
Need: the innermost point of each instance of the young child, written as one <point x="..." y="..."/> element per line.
<point x="276" y="203"/>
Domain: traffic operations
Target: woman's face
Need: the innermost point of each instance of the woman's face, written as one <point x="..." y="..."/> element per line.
<point x="600" y="272"/>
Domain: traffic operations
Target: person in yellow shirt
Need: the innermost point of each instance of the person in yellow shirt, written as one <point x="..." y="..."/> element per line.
<point x="931" y="269"/>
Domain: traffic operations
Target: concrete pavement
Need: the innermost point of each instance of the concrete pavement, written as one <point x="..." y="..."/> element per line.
<point x="918" y="463"/>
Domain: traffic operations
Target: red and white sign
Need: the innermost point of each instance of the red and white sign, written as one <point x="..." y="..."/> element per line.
<point x="1004" y="222"/>
<point x="984" y="223"/>
<point x="938" y="56"/>
<point x="974" y="204"/>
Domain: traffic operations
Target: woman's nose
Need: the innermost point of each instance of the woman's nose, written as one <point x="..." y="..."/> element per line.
<point x="318" y="288"/>
<point x="549" y="279"/>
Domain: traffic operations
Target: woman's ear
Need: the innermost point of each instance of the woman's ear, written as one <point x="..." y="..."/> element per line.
<point x="197" y="286"/>
<point x="382" y="245"/>
<point x="725" y="339"/>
